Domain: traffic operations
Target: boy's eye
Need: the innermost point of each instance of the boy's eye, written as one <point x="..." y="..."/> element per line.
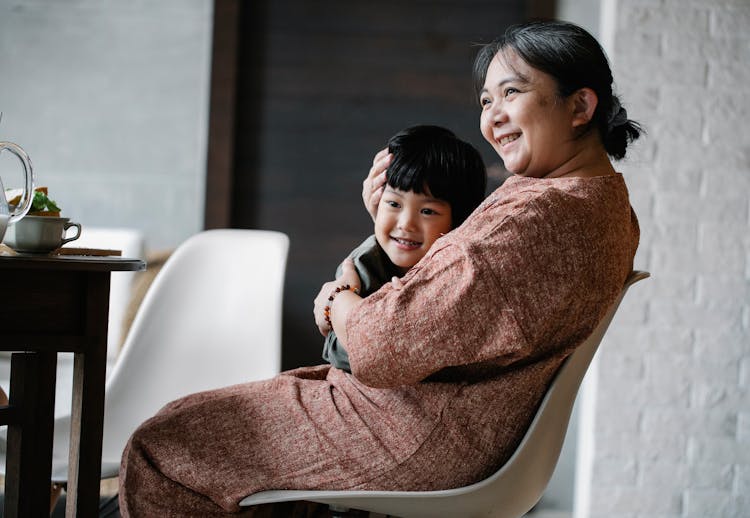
<point x="429" y="212"/>
<point x="393" y="204"/>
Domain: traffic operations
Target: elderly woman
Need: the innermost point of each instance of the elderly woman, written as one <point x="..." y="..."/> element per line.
<point x="448" y="365"/>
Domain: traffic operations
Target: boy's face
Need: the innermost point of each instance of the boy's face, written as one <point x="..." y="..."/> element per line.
<point x="407" y="224"/>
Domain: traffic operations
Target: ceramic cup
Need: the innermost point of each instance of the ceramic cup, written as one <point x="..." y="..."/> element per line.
<point x="40" y="234"/>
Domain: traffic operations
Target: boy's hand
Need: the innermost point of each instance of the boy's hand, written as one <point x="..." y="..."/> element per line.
<point x="373" y="185"/>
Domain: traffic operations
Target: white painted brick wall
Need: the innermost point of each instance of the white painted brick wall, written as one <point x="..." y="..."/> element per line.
<point x="673" y="406"/>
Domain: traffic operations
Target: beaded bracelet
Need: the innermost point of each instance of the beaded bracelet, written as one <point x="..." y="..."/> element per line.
<point x="327" y="309"/>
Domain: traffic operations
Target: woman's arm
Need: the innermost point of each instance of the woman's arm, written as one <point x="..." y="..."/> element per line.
<point x="372" y="190"/>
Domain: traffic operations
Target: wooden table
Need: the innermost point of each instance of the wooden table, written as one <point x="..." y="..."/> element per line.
<point x="54" y="304"/>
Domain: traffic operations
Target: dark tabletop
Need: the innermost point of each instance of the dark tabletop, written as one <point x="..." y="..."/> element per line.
<point x="71" y="262"/>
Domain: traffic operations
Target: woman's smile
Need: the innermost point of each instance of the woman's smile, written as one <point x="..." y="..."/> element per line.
<point x="507" y="139"/>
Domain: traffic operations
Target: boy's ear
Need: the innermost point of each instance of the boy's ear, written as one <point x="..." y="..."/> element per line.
<point x="584" y="103"/>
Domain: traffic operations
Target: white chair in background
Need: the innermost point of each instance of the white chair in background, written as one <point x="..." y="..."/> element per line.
<point x="508" y="493"/>
<point x="211" y="318"/>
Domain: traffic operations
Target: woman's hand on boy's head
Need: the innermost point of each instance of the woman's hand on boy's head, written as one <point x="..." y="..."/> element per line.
<point x="372" y="186"/>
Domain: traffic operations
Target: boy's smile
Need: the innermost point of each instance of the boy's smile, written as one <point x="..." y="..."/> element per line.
<point x="407" y="224"/>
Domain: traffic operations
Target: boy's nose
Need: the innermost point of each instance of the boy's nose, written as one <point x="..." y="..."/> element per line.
<point x="406" y="220"/>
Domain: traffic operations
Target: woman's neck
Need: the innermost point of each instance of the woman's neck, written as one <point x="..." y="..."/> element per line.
<point x="589" y="160"/>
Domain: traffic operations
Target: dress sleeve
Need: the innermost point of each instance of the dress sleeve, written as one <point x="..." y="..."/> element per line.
<point x="451" y="311"/>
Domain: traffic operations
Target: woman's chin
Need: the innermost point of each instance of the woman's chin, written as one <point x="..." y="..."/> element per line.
<point x="513" y="166"/>
<point x="517" y="171"/>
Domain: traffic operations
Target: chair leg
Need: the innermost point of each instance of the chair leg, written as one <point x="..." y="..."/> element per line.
<point x="338" y="511"/>
<point x="55" y="490"/>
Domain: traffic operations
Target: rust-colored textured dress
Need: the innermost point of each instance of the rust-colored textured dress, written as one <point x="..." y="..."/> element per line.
<point x="446" y="372"/>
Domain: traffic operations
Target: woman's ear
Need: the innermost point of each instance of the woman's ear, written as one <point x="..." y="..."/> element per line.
<point x="584" y="105"/>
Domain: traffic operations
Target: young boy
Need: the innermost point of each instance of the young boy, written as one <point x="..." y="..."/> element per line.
<point x="434" y="182"/>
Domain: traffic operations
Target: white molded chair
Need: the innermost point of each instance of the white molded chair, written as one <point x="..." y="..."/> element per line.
<point x="211" y="318"/>
<point x="511" y="491"/>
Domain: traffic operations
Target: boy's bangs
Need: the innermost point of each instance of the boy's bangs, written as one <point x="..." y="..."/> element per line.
<point x="417" y="176"/>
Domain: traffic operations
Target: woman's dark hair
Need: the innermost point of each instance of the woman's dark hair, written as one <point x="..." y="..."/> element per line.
<point x="574" y="59"/>
<point x="432" y="159"/>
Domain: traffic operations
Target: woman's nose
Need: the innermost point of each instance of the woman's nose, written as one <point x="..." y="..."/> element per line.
<point x="497" y="113"/>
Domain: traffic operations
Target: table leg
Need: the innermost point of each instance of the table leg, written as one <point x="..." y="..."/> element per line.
<point x="87" y="412"/>
<point x="29" y="455"/>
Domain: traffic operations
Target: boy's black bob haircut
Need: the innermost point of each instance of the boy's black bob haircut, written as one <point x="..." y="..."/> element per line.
<point x="432" y="160"/>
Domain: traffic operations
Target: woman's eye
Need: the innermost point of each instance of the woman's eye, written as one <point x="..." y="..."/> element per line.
<point x="484" y="101"/>
<point x="510" y="91"/>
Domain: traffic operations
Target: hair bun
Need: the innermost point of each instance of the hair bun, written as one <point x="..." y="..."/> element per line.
<point x="618" y="115"/>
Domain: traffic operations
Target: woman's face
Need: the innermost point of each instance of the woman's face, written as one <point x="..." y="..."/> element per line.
<point x="524" y="119"/>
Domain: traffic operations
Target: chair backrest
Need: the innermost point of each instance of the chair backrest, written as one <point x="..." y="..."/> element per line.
<point x="211" y="318"/>
<point x="524" y="477"/>
<point x="511" y="491"/>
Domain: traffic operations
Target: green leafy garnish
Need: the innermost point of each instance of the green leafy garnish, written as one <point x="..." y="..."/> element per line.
<point x="42" y="203"/>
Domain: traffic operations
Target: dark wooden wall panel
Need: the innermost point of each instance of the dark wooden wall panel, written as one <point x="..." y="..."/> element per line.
<point x="322" y="86"/>
<point x="222" y="107"/>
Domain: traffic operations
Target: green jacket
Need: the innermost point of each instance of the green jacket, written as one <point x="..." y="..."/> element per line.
<point x="374" y="269"/>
